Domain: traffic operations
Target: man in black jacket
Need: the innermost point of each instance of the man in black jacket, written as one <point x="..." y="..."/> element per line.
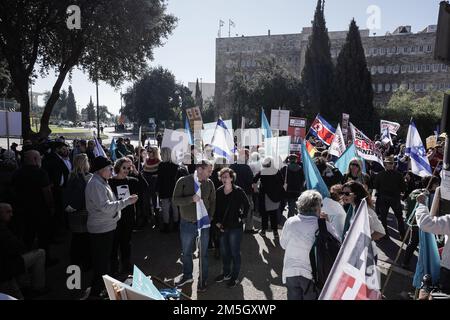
<point x="244" y="179"/>
<point x="58" y="166"/>
<point x="389" y="185"/>
<point x="294" y="184"/>
<point x="14" y="260"/>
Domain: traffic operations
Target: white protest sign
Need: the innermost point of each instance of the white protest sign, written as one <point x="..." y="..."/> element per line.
<point x="279" y="120"/>
<point x="123" y="192"/>
<point x="249" y="137"/>
<point x="278" y="148"/>
<point x="393" y="126"/>
<point x="445" y="184"/>
<point x="177" y="141"/>
<point x="14" y="127"/>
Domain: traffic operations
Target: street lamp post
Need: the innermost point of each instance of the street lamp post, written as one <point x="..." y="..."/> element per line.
<point x="98" y="111"/>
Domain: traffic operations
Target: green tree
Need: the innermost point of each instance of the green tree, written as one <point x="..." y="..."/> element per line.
<point x="353" y="83"/>
<point x="60" y="109"/>
<point x="317" y="74"/>
<point x="115" y="40"/>
<point x="156" y="95"/>
<point x="104" y="114"/>
<point x="239" y="93"/>
<point x="406" y="104"/>
<point x="5" y="78"/>
<point x="90" y="111"/>
<point x="209" y="113"/>
<point x="198" y="95"/>
<point x="71" y="106"/>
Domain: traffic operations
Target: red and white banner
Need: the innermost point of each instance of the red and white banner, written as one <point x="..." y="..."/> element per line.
<point x="338" y="145"/>
<point x="355" y="275"/>
<point x="365" y="147"/>
<point x="393" y="126"/>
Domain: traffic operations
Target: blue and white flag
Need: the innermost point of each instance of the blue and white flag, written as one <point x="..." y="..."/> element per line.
<point x="112" y="149"/>
<point x="415" y="150"/>
<point x="386" y="136"/>
<point x="203" y="220"/>
<point x="187" y="128"/>
<point x="222" y="141"/>
<point x="267" y="131"/>
<point x="144" y="285"/>
<point x="98" y="149"/>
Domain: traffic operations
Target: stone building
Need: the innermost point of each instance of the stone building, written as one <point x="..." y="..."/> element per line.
<point x="400" y="58"/>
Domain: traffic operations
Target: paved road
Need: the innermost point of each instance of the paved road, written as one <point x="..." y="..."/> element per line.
<point x="158" y="254"/>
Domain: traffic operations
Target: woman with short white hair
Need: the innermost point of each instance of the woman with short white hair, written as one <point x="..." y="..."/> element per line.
<point x="297" y="238"/>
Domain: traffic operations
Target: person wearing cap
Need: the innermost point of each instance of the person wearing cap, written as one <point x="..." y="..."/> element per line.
<point x="390" y="184"/>
<point x="104" y="210"/>
<point x="293" y="184"/>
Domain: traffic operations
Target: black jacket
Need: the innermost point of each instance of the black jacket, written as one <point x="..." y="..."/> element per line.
<point x="55" y="168"/>
<point x="272" y="185"/>
<point x="389" y="184"/>
<point x="73" y="194"/>
<point x="295" y="180"/>
<point x="244" y="176"/>
<point x="167" y="177"/>
<point x="232" y="208"/>
<point x="11" y="250"/>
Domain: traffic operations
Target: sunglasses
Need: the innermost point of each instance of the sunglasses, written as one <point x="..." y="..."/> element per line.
<point x="126" y="168"/>
<point x="346" y="193"/>
<point x="354" y="164"/>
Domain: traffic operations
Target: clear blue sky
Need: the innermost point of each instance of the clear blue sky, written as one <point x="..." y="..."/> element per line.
<point x="190" y="51"/>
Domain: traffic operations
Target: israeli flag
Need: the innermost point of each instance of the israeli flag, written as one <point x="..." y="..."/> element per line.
<point x="222" y="141"/>
<point x="202" y="214"/>
<point x="98" y="149"/>
<point x="415" y="150"/>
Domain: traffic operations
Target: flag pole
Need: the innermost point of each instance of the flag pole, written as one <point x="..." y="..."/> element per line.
<point x="139" y="148"/>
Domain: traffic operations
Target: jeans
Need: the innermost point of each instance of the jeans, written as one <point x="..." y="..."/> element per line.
<point x="101" y="249"/>
<point x="35" y="264"/>
<point x="166" y="205"/>
<point x="300" y="288"/>
<point x="188" y="234"/>
<point x="382" y="206"/>
<point x="230" y="247"/>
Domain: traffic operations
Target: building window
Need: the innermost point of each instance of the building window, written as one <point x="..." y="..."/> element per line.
<point x="420" y="48"/>
<point x="387" y="87"/>
<point x="396" y="68"/>
<point x="389" y="69"/>
<point x="405" y="50"/>
<point x="374" y="87"/>
<point x="429" y="48"/>
<point x="380" y="69"/>
<point x="411" y="68"/>
<point x="380" y="87"/>
<point x="394" y="87"/>
<point x="373" y="70"/>
<point x="418" y="68"/>
<point x="427" y="68"/>
<point x="444" y="68"/>
<point x="375" y="51"/>
<point x="413" y="49"/>
<point x="435" y="67"/>
<point x="417" y="87"/>
<point x="404" y="68"/>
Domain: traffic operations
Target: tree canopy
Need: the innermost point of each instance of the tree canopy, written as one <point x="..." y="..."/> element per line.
<point x="115" y="40"/>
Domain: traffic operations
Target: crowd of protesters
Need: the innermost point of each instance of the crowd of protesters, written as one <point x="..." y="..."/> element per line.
<point x="49" y="190"/>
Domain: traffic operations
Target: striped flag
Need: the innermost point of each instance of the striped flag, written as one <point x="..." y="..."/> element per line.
<point x="322" y="130"/>
<point x="415" y="150"/>
<point x="311" y="149"/>
<point x="355" y="275"/>
<point x="267" y="131"/>
<point x="203" y="220"/>
<point x="98" y="149"/>
<point x="222" y="141"/>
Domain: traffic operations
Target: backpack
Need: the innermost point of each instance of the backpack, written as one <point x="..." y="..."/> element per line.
<point x="323" y="254"/>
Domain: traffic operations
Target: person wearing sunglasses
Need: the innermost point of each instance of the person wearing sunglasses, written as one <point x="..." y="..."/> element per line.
<point x="354" y="173"/>
<point x="353" y="193"/>
<point x="123" y="185"/>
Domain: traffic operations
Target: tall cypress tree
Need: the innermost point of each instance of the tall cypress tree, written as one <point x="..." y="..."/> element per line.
<point x="317" y="74"/>
<point x="198" y="96"/>
<point x="91" y="114"/>
<point x="353" y="82"/>
<point x="71" y="112"/>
